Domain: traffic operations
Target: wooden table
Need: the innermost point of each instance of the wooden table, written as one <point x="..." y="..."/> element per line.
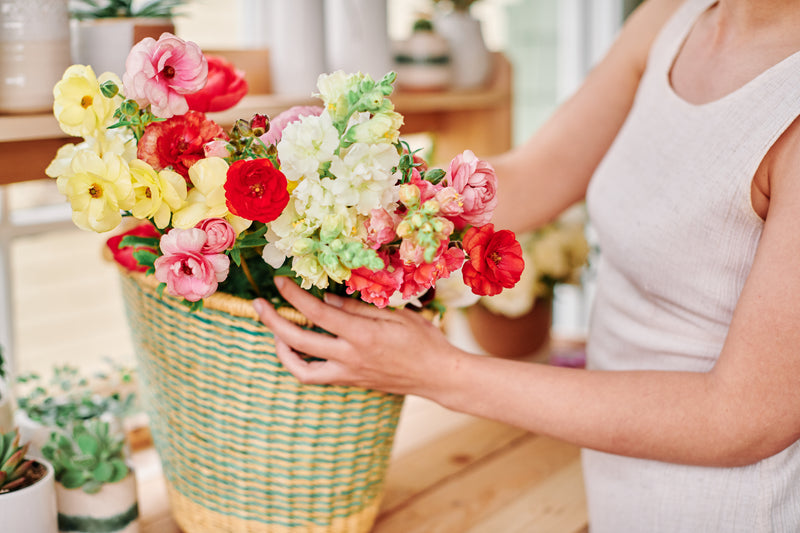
<point x="452" y="473"/>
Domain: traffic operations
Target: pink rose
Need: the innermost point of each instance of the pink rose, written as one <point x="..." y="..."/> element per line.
<point x="285" y="118"/>
<point x="476" y="182"/>
<point x="188" y="272"/>
<point x="160" y="72"/>
<point x="220" y="235"/>
<point x="216" y="148"/>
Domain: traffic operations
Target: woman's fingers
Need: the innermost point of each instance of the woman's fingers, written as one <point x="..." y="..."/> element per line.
<point x="359" y="308"/>
<point x="317" y="344"/>
<point x="308" y="372"/>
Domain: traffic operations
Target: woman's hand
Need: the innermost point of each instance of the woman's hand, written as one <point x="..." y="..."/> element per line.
<point x="391" y="350"/>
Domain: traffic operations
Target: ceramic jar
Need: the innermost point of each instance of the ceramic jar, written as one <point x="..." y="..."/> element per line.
<point x="34" y="53"/>
<point x="114" y="509"/>
<point x="423" y="61"/>
<point x="472" y="61"/>
<point x="297" y="46"/>
<point x="32" y="508"/>
<point x="357" y="37"/>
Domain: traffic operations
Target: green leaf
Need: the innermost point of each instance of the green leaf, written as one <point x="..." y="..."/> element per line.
<point x="134" y="240"/>
<point x="72" y="479"/>
<point x="103" y="472"/>
<point x="120" y="470"/>
<point x="145" y="257"/>
<point x="88" y="444"/>
<point x="92" y="486"/>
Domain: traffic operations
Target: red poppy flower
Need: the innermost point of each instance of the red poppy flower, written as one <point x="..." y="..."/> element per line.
<point x="124" y="256"/>
<point x="256" y="190"/>
<point x="495" y="260"/>
<point x="223" y="90"/>
<point x="177" y="143"/>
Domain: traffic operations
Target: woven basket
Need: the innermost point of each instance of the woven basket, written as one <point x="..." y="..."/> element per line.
<point x="244" y="446"/>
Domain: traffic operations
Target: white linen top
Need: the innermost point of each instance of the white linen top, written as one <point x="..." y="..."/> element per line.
<point x="677" y="232"/>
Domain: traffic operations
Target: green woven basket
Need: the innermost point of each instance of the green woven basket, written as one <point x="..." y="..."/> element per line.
<point x="244" y="446"/>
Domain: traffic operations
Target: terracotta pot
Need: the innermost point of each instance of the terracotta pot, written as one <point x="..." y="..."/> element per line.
<point x="527" y="336"/>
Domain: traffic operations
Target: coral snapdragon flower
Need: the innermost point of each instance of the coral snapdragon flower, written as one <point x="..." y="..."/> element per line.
<point x="161" y="72"/>
<point x="495" y="260"/>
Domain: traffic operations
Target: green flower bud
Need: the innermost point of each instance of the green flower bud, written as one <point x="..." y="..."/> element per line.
<point x="129" y="108"/>
<point x="109" y="89"/>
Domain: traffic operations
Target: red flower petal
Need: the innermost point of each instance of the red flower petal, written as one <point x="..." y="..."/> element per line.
<point x="256" y="190"/>
<point x="224" y="89"/>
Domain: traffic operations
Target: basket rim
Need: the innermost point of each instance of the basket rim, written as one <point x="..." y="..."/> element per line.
<point x="220" y="301"/>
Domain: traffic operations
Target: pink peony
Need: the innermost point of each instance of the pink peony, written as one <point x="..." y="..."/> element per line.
<point x="285" y="118"/>
<point x="476" y="182"/>
<point x="376" y="287"/>
<point x="220" y="235"/>
<point x="188" y="272"/>
<point x="160" y="72"/>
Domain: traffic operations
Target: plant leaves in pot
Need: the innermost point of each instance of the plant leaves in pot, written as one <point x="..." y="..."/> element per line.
<point x="27" y="490"/>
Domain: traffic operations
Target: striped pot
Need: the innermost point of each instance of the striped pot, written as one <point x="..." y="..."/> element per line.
<point x="244" y="446"/>
<point x="114" y="509"/>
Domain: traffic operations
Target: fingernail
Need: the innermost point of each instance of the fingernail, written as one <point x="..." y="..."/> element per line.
<point x="280" y="281"/>
<point x="332" y="299"/>
<point x="259" y="305"/>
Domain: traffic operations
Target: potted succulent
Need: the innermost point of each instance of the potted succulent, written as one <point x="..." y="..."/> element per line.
<point x="471" y="60"/>
<point x="6" y="404"/>
<point x="95" y="488"/>
<point x="27" y="490"/>
<point x="103" y="31"/>
<point x="70" y="397"/>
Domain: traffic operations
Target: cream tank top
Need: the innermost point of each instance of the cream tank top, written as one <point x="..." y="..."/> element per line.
<point x="671" y="206"/>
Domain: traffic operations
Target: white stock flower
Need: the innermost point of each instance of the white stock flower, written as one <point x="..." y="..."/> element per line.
<point x="363" y="177"/>
<point x="306" y="144"/>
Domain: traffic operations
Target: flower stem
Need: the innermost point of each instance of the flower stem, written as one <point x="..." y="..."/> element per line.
<point x="249" y="276"/>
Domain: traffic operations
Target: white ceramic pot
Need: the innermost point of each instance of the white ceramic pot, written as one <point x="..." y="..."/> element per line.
<point x="297" y="45"/>
<point x="34" y="52"/>
<point x="32" y="508"/>
<point x="423" y="62"/>
<point x="113" y="509"/>
<point x="357" y="37"/>
<point x="471" y="60"/>
<point x="104" y="43"/>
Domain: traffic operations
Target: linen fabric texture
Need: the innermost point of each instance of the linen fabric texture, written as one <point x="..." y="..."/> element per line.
<point x="671" y="205"/>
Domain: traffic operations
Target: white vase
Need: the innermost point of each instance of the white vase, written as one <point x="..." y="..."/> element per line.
<point x="104" y="43"/>
<point x="34" y="52"/>
<point x="297" y="45"/>
<point x="113" y="509"/>
<point x="357" y="37"/>
<point x="471" y="60"/>
<point x="423" y="62"/>
<point x="32" y="508"/>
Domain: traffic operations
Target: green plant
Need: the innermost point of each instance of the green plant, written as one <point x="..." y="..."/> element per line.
<point x="95" y="9"/>
<point x="89" y="456"/>
<point x="15" y="470"/>
<point x="70" y="396"/>
<point x="458" y="5"/>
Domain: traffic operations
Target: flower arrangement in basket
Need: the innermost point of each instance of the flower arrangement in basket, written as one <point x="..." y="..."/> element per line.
<point x="329" y="196"/>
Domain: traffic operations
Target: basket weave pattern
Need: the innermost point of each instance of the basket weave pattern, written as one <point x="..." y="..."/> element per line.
<point x="244" y="446"/>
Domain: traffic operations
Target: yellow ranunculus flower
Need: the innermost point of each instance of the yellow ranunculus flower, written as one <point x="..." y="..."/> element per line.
<point x="79" y="106"/>
<point x="207" y="197"/>
<point x="97" y="188"/>
<point x="157" y="194"/>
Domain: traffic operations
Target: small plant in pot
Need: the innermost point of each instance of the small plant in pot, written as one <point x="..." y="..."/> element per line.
<point x="95" y="488"/>
<point x="27" y="491"/>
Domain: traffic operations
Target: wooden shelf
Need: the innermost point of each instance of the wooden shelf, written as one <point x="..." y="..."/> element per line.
<point x="479" y="120"/>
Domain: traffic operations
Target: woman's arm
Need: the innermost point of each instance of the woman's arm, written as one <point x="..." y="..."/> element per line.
<point x="542" y="177"/>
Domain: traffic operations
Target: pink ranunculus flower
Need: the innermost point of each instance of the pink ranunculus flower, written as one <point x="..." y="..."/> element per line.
<point x="217" y="148"/>
<point x="160" y="72"/>
<point x="476" y="182"/>
<point x="220" y="235"/>
<point x="188" y="272"/>
<point x="281" y="120"/>
<point x="381" y="228"/>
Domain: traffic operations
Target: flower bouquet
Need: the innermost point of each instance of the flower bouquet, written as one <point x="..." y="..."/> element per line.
<point x="329" y="196"/>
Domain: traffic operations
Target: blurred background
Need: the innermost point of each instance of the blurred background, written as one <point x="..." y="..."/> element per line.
<point x="60" y="301"/>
